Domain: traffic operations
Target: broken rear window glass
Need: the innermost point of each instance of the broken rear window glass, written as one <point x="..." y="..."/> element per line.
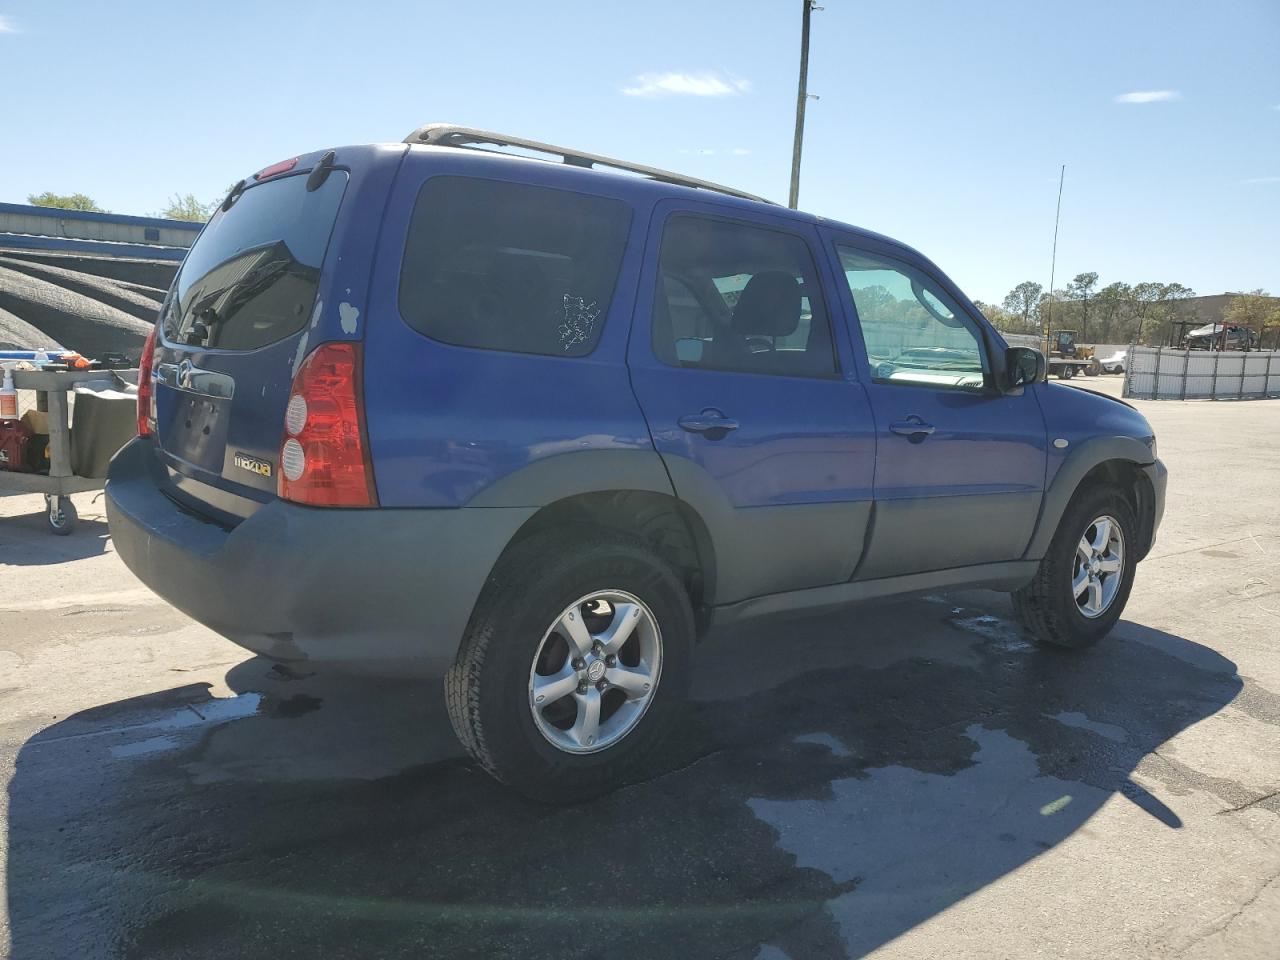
<point x="507" y="266"/>
<point x="251" y="277"/>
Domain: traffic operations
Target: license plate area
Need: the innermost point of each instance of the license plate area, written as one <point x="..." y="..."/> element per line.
<point x="193" y="427"/>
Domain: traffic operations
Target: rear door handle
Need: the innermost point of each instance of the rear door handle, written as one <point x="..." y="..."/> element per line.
<point x="711" y="422"/>
<point x="912" y="427"/>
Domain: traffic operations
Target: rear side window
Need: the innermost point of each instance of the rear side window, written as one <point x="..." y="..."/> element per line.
<point x="508" y="266"/>
<point x="252" y="275"/>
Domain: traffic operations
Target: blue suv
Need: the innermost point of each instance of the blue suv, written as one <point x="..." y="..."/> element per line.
<point x="538" y="426"/>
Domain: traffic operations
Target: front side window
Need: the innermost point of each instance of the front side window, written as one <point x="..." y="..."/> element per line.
<point x="509" y="266"/>
<point x="914" y="332"/>
<point x="734" y="296"/>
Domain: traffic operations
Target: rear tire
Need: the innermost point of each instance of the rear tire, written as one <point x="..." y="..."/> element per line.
<point x="524" y="637"/>
<point x="1052" y="607"/>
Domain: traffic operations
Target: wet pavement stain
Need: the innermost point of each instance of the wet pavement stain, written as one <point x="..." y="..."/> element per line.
<point x="816" y="816"/>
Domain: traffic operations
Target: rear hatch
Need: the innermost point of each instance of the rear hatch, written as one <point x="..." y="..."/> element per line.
<point x="234" y="329"/>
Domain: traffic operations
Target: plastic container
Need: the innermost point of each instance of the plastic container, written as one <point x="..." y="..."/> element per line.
<point x="14" y="437"/>
<point x="8" y="397"/>
<point x="103" y="420"/>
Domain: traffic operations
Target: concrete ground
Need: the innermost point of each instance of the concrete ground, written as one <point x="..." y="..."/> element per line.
<point x="910" y="780"/>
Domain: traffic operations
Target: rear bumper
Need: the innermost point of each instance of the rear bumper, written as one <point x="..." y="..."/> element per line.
<point x="381" y="590"/>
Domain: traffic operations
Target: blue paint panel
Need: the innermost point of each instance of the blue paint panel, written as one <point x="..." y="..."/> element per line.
<point x="445" y="422"/>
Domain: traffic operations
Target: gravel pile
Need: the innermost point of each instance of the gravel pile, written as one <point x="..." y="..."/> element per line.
<point x="94" y="305"/>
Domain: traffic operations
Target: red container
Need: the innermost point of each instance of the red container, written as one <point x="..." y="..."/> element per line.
<point x="14" y="437"/>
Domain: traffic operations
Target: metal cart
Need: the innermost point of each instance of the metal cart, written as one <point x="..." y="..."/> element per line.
<point x="51" y="389"/>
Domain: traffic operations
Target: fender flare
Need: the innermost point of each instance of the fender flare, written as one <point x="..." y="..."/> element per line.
<point x="552" y="480"/>
<point x="1067" y="480"/>
<point x="576" y="472"/>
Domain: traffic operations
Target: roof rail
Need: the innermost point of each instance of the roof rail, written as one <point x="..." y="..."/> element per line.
<point x="449" y="135"/>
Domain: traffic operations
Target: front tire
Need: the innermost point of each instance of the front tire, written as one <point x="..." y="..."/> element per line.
<point x="1084" y="580"/>
<point x="574" y="666"/>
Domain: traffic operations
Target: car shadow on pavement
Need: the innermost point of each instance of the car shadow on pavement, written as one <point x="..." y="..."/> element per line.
<point x="838" y="781"/>
<point x="25" y="540"/>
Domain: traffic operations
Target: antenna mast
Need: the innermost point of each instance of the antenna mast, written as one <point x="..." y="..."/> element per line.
<point x="1053" y="262"/>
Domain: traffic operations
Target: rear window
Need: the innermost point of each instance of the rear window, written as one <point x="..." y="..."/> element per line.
<point x="252" y="276"/>
<point x="508" y="266"/>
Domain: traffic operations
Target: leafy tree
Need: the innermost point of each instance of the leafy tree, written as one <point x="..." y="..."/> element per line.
<point x="187" y="207"/>
<point x="1256" y="309"/>
<point x="1109" y="303"/>
<point x="1081" y="289"/>
<point x="1023" y="299"/>
<point x="999" y="317"/>
<point x="70" y="201"/>
<point x="1142" y="296"/>
<point x="1173" y="303"/>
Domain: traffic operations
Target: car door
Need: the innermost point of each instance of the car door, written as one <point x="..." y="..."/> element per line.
<point x="960" y="467"/>
<point x="750" y="396"/>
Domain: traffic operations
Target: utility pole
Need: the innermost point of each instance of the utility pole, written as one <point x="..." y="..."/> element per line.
<point x="1053" y="262"/>
<point x="802" y="97"/>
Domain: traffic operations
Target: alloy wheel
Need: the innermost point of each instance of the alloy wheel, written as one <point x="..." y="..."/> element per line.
<point x="595" y="672"/>
<point x="1098" y="567"/>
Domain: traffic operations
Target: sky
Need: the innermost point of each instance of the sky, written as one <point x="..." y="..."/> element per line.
<point x="941" y="124"/>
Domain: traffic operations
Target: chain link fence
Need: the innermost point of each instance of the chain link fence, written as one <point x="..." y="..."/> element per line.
<point x="1163" y="373"/>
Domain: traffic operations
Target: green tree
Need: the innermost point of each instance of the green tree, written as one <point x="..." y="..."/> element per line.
<point x="1109" y="306"/>
<point x="1256" y="309"/>
<point x="1173" y="304"/>
<point x="1142" y="296"/>
<point x="187" y="207"/>
<point x="1022" y="300"/>
<point x="996" y="315"/>
<point x="69" y="201"/>
<point x="1081" y="290"/>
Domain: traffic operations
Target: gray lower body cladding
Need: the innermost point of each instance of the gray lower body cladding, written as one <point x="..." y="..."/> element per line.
<point x="383" y="590"/>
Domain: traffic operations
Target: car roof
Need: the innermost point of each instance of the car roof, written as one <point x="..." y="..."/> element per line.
<point x="630" y="188"/>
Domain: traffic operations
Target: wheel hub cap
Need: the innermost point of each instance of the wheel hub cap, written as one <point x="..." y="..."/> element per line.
<point x="595" y="671"/>
<point x="1098" y="567"/>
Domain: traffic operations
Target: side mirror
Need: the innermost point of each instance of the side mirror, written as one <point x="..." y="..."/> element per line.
<point x="1023" y="366"/>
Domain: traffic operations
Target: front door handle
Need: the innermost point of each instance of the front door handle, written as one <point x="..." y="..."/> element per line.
<point x="713" y="423"/>
<point x="912" y="427"/>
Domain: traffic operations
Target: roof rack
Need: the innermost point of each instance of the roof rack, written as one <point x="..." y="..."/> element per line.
<point x="449" y="135"/>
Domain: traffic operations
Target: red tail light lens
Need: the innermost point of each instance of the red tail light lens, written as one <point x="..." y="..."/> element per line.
<point x="324" y="456"/>
<point x="284" y="166"/>
<point x="146" y="385"/>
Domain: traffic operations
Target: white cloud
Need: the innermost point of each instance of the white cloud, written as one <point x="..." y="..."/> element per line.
<point x="1148" y="96"/>
<point x="739" y="151"/>
<point x="1262" y="180"/>
<point x="709" y="83"/>
<point x="6" y="25"/>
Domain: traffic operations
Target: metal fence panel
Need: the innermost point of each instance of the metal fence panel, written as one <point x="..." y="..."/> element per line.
<point x="1160" y="373"/>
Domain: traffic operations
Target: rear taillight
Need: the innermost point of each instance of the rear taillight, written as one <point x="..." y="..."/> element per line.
<point x="284" y="166"/>
<point x="146" y="386"/>
<point x="324" y="457"/>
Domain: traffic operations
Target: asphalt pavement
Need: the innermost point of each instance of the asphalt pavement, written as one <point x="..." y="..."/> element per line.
<point x="910" y="779"/>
